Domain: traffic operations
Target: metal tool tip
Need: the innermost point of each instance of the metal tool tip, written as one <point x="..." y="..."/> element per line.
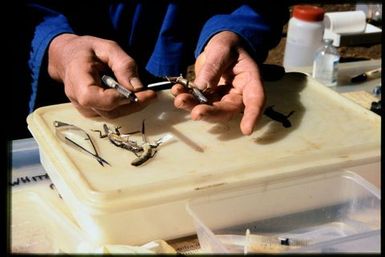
<point x="134" y="99"/>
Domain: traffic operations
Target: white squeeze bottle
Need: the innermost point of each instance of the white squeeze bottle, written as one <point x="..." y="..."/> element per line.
<point x="304" y="36"/>
<point x="325" y="65"/>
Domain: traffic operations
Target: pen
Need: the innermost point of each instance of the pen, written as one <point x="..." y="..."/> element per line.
<point x="372" y="74"/>
<point x="109" y="81"/>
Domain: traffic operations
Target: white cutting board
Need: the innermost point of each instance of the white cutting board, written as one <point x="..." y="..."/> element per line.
<point x="327" y="130"/>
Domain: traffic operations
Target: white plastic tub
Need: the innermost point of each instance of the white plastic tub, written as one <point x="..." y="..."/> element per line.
<point x="335" y="212"/>
<point x="124" y="204"/>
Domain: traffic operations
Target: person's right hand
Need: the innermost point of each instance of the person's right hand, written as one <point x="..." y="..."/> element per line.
<point x="79" y="63"/>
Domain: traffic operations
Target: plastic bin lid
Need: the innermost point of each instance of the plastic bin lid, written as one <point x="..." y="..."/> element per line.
<point x="326" y="130"/>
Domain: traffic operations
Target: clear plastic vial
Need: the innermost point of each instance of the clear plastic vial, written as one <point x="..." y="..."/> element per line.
<point x="325" y="65"/>
<point x="304" y="36"/>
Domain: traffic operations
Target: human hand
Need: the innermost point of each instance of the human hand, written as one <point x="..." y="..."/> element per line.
<point x="230" y="78"/>
<point x="79" y="62"/>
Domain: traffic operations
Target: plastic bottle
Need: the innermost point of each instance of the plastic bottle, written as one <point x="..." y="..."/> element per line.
<point x="325" y="65"/>
<point x="304" y="36"/>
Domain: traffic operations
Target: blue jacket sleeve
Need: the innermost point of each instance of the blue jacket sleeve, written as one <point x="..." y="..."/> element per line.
<point x="260" y="27"/>
<point x="47" y="19"/>
<point x="160" y="35"/>
<point x="49" y="26"/>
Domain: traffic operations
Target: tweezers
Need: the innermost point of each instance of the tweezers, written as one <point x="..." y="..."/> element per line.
<point x="60" y="126"/>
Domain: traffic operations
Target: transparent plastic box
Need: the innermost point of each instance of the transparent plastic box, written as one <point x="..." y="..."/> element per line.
<point x="332" y="212"/>
<point x="40" y="221"/>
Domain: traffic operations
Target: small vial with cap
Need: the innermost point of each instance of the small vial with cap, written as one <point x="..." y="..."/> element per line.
<point x="325" y="65"/>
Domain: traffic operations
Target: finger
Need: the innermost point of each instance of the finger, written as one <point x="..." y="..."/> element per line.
<point x="249" y="119"/>
<point x="215" y="113"/>
<point x="254" y="100"/>
<point x="85" y="88"/>
<point x="85" y="111"/>
<point x="215" y="63"/>
<point x="223" y="110"/>
<point x="93" y="96"/>
<point x="119" y="111"/>
<point x="248" y="79"/>
<point x="185" y="101"/>
<point x="178" y="89"/>
<point x="122" y="65"/>
<point x="122" y="110"/>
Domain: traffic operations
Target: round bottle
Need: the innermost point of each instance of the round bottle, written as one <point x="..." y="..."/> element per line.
<point x="304" y="35"/>
<point x="325" y="65"/>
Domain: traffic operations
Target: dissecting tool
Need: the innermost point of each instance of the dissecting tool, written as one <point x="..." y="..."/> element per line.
<point x="160" y="85"/>
<point x="372" y="74"/>
<point x="190" y="85"/>
<point x="183" y="81"/>
<point x="109" y="81"/>
<point x="77" y="138"/>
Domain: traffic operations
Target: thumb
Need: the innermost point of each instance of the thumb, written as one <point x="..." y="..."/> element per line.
<point x="122" y="65"/>
<point x="210" y="66"/>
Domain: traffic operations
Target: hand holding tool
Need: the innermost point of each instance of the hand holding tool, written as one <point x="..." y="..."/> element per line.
<point x="109" y="81"/>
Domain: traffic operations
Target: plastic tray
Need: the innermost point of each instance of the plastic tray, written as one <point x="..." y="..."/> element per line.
<point x="335" y="212"/>
<point x="124" y="204"/>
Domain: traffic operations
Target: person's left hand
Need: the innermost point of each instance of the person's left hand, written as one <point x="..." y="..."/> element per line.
<point x="231" y="80"/>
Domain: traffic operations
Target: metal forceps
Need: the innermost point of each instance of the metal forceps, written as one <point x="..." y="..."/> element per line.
<point x="77" y="138"/>
<point x="191" y="86"/>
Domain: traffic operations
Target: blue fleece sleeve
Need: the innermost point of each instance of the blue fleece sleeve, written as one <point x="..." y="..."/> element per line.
<point x="250" y="25"/>
<point x="51" y="24"/>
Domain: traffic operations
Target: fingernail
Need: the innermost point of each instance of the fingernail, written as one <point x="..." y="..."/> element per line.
<point x="136" y="83"/>
<point x="202" y="86"/>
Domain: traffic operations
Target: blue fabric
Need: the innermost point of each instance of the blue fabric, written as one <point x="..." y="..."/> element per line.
<point x="244" y="21"/>
<point x="163" y="37"/>
<point x="52" y="25"/>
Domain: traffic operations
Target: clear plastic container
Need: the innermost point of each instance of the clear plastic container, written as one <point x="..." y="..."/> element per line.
<point x="304" y="36"/>
<point x="325" y="65"/>
<point x="317" y="213"/>
<point x="40" y="220"/>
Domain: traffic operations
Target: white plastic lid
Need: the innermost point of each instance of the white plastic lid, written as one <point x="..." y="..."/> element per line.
<point x="326" y="130"/>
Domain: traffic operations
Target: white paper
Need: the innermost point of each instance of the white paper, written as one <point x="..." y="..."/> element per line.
<point x="345" y="22"/>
